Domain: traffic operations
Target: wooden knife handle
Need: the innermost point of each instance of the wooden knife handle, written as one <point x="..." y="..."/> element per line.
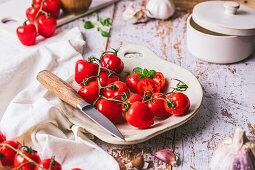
<point x="59" y="87"/>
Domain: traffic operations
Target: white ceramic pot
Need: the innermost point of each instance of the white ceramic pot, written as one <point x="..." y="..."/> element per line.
<point x="209" y="40"/>
<point x="215" y="47"/>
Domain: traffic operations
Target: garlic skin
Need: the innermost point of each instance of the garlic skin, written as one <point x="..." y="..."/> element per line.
<point x="236" y="152"/>
<point x="167" y="156"/>
<point x="160" y="9"/>
<point x="134" y="15"/>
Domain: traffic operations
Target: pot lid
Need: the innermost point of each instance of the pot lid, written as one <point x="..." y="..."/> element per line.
<point x="226" y="17"/>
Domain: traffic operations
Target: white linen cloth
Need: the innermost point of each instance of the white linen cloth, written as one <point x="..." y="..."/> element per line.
<point x="29" y="112"/>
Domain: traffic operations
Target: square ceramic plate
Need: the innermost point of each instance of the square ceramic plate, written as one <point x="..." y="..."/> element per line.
<point x="133" y="135"/>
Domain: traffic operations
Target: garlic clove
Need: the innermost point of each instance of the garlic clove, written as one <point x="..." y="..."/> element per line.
<point x="136" y="164"/>
<point x="234" y="152"/>
<point x="167" y="156"/>
<point x="160" y="9"/>
<point x="134" y="15"/>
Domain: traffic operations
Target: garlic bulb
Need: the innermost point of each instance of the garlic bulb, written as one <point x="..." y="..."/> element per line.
<point x="134" y="15"/>
<point x="160" y="9"/>
<point x="234" y="153"/>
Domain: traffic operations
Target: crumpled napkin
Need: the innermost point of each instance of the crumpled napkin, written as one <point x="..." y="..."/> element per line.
<point x="29" y="112"/>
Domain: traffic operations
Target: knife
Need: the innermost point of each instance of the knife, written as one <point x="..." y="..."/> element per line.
<point x="66" y="93"/>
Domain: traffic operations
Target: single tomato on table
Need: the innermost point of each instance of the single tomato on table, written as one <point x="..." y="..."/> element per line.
<point x="160" y="79"/>
<point x="27" y="34"/>
<point x="177" y="103"/>
<point x="132" y="81"/>
<point x="49" y="164"/>
<point x="139" y="115"/>
<point x="46" y="25"/>
<point x="157" y="105"/>
<point x="90" y="93"/>
<point x="7" y="155"/>
<point x="84" y="69"/>
<point x="112" y="62"/>
<point x="127" y="103"/>
<point x="118" y="91"/>
<point x="30" y="153"/>
<point x="147" y="85"/>
<point x="109" y="109"/>
<point x="105" y="79"/>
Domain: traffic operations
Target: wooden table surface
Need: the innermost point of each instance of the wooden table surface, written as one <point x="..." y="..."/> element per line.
<point x="229" y="90"/>
<point x="229" y="93"/>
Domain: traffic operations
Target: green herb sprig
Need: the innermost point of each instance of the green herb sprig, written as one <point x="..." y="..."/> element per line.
<point x="101" y="25"/>
<point x="144" y="73"/>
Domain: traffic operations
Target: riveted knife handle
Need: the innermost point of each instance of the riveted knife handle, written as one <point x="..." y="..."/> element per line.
<point x="59" y="87"/>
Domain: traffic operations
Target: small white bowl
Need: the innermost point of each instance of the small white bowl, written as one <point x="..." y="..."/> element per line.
<point x="216" y="47"/>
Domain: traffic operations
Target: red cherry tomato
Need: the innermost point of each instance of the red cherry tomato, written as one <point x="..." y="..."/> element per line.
<point x="52" y="7"/>
<point x="46" y="26"/>
<point x="147" y="85"/>
<point x="90" y="92"/>
<point x="132" y="81"/>
<point x="49" y="162"/>
<point x="133" y="98"/>
<point x="120" y="89"/>
<point x="27" y="34"/>
<point x="180" y="103"/>
<point x="112" y="62"/>
<point x="31" y="14"/>
<point x="110" y="109"/>
<point x="139" y="115"/>
<point x="160" y="79"/>
<point x="105" y="79"/>
<point x="2" y="137"/>
<point x="157" y="106"/>
<point x="7" y="155"/>
<point x="84" y="69"/>
<point x="30" y="153"/>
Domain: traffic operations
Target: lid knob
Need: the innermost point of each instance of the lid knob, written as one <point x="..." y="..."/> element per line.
<point x="231" y="7"/>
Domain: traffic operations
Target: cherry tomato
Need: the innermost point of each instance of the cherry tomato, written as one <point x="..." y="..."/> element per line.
<point x="112" y="62"/>
<point x="49" y="162"/>
<point x="139" y="115"/>
<point x="90" y="92"/>
<point x="7" y="155"/>
<point x="30" y="153"/>
<point x="127" y="103"/>
<point x="109" y="109"/>
<point x="84" y="69"/>
<point x="147" y="85"/>
<point x="31" y="14"/>
<point x="50" y="6"/>
<point x="180" y="102"/>
<point x="46" y="25"/>
<point x="160" y="79"/>
<point x="37" y="5"/>
<point x="2" y="137"/>
<point x="157" y="106"/>
<point x="120" y="89"/>
<point x="105" y="79"/>
<point x="27" y="34"/>
<point x="132" y="81"/>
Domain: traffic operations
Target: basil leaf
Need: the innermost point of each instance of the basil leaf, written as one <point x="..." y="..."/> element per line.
<point x="146" y="73"/>
<point x="152" y="74"/>
<point x="138" y="70"/>
<point x="98" y="29"/>
<point x="105" y="34"/>
<point x="140" y="77"/>
<point x="88" y="25"/>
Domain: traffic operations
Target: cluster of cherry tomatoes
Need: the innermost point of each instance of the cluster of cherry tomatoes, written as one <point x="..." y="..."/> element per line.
<point x="13" y="154"/>
<point x="101" y="87"/>
<point x="41" y="20"/>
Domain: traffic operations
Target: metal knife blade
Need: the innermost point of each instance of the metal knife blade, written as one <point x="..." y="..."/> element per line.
<point x="66" y="93"/>
<point x="99" y="118"/>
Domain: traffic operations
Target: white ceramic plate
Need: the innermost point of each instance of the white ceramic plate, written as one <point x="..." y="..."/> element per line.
<point x="133" y="135"/>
